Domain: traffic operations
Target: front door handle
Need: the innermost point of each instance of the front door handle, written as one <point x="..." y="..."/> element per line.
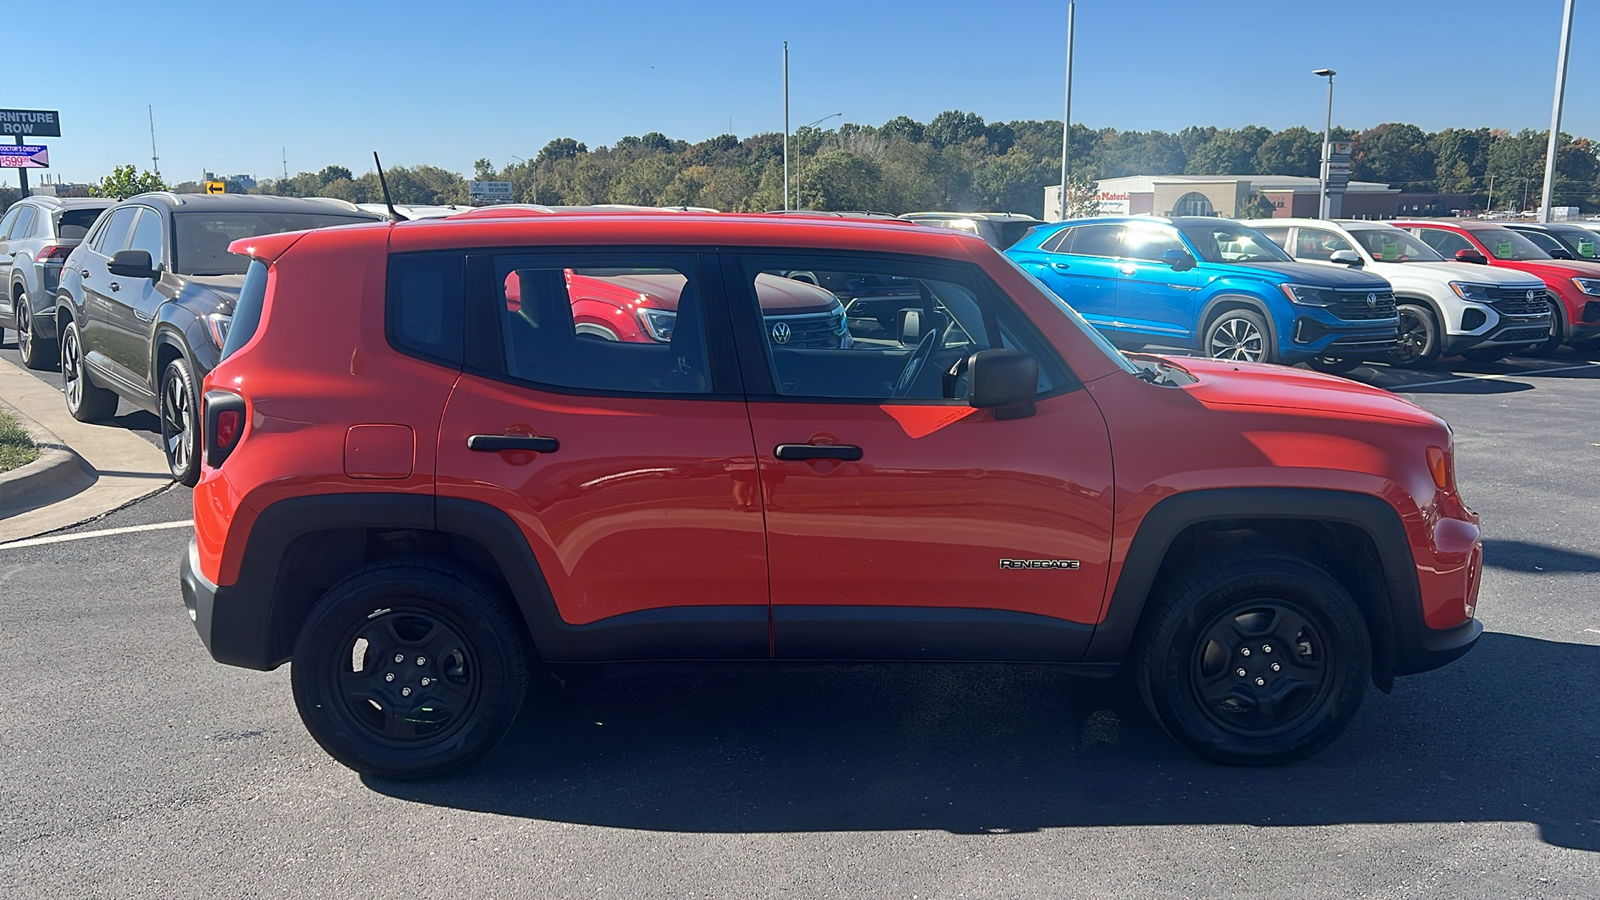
<point x="115" y="286"/>
<point x="494" y="443"/>
<point x="84" y="272"/>
<point x="1127" y="269"/>
<point x="1060" y="267"/>
<point x="795" y="452"/>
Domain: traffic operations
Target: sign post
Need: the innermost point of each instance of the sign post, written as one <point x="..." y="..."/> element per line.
<point x="28" y="123"/>
<point x="1336" y="174"/>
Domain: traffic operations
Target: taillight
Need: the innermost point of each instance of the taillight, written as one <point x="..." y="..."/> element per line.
<point x="53" y="254"/>
<point x="225" y="421"/>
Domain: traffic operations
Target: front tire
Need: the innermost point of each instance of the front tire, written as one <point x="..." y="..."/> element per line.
<point x="87" y="401"/>
<point x="1239" y="335"/>
<point x="1257" y="660"/>
<point x="406" y="670"/>
<point x="1419" y="343"/>
<point x="37" y="353"/>
<point x="180" y="431"/>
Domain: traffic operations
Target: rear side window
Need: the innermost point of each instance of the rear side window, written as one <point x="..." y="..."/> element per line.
<point x="424" y="308"/>
<point x="24" y="226"/>
<point x="247" y="311"/>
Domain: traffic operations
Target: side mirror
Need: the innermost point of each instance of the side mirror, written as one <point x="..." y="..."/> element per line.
<point x="133" y="264"/>
<point x="910" y="327"/>
<point x="1004" y="381"/>
<point x="1345" y="257"/>
<point x="1471" y="256"/>
<point x="1179" y="260"/>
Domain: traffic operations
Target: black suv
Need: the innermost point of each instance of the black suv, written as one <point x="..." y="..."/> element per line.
<point x="145" y="302"/>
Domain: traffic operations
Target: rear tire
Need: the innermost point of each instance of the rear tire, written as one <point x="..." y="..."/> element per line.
<point x="179" y="411"/>
<point x="1420" y="342"/>
<point x="1294" y="633"/>
<point x="87" y="401"/>
<point x="37" y="353"/>
<point x="456" y="687"/>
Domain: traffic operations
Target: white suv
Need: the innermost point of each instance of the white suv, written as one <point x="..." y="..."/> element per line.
<point x="1446" y="308"/>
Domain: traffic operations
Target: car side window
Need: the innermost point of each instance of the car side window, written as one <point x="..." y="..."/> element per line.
<point x="114" y="236"/>
<point x="1148" y="242"/>
<point x="24" y="225"/>
<point x="423" y="309"/>
<point x="1319" y="243"/>
<point x="1058" y="242"/>
<point x="880" y="329"/>
<point x="1448" y="243"/>
<point x="1098" y="240"/>
<point x="9" y="220"/>
<point x="611" y="322"/>
<point x="147" y="236"/>
<point x="1279" y="236"/>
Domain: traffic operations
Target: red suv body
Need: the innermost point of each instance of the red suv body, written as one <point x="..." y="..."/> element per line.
<point x="416" y="489"/>
<point x="1575" y="284"/>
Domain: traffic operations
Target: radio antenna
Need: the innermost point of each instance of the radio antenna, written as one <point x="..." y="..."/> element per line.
<point x="384" y="183"/>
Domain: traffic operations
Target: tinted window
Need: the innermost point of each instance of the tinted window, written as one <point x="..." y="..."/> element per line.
<point x="114" y="236"/>
<point x="247" y="311"/>
<point x="73" y="224"/>
<point x="1229" y="243"/>
<point x="424" y="308"/>
<point x="833" y="344"/>
<point x="203" y="237"/>
<point x="1319" y="243"/>
<point x="9" y="220"/>
<point x="1390" y="247"/>
<point x="618" y="323"/>
<point x="24" y="226"/>
<point x="147" y="235"/>
<point x="1058" y="242"/>
<point x="1096" y="240"/>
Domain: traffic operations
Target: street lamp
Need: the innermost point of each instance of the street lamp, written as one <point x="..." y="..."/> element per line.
<point x="1327" y="135"/>
<point x="797" y="169"/>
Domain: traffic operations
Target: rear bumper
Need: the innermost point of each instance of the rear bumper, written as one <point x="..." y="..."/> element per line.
<point x="231" y="626"/>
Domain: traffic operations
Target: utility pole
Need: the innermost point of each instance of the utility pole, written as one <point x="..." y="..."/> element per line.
<point x="1066" y="117"/>
<point x="786" y="126"/>
<point x="1327" y="146"/>
<point x="1555" y="113"/>
<point x="155" y="161"/>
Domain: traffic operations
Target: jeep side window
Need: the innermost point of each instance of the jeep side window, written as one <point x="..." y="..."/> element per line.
<point x="865" y="329"/>
<point x="623" y="322"/>
<point x="423" y="311"/>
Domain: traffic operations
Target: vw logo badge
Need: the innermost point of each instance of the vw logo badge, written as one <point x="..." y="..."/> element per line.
<point x="1372" y="301"/>
<point x="1533" y="295"/>
<point x="780" y="333"/>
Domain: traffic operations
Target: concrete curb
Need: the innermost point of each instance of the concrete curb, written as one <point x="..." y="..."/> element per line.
<point x="57" y="473"/>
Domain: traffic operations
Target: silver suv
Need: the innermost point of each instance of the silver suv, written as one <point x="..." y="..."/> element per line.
<point x="36" y="235"/>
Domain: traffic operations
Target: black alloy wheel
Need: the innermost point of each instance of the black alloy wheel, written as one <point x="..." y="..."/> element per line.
<point x="180" y="432"/>
<point x="36" y="353"/>
<point x="87" y="401"/>
<point x="409" y="669"/>
<point x="1255" y="660"/>
<point x="1418" y="343"/>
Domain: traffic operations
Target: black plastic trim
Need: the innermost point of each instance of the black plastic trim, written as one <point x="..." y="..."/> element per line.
<point x="924" y="633"/>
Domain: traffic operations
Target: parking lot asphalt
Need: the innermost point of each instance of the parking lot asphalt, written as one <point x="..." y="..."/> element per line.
<point x="137" y="767"/>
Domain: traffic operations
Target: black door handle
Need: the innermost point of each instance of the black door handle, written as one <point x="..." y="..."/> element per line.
<point x="793" y="452"/>
<point x="84" y="272"/>
<point x="494" y="443"/>
<point x="115" y="286"/>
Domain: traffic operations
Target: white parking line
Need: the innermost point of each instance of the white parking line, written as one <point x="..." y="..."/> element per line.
<point x="85" y="535"/>
<point x="1402" y="388"/>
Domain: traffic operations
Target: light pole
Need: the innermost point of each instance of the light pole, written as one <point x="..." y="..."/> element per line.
<point x="785" y="126"/>
<point x="1327" y="136"/>
<point x="1555" y="114"/>
<point x="798" y="169"/>
<point x="1066" y="118"/>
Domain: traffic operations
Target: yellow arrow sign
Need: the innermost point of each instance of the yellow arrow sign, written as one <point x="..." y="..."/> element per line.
<point x="216" y="187"/>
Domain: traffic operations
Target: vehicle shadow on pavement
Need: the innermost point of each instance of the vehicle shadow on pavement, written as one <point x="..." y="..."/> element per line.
<point x="1522" y="556"/>
<point x="1501" y="735"/>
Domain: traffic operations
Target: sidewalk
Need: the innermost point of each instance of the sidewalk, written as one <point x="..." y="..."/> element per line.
<point x="117" y="468"/>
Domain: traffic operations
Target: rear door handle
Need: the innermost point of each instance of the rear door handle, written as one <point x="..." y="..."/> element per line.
<point x="1127" y="269"/>
<point x="795" y="452"/>
<point x="84" y="272"/>
<point x="494" y="443"/>
<point x="115" y="286"/>
<point x="1060" y="267"/>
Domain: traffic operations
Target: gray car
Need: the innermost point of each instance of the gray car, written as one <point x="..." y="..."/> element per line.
<point x="36" y="235"/>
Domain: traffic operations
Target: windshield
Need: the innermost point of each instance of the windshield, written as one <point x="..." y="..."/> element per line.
<point x="1072" y="314"/>
<point x="1225" y="242"/>
<point x="203" y="238"/>
<point x="1394" y="245"/>
<point x="1503" y="243"/>
<point x="1583" y="243"/>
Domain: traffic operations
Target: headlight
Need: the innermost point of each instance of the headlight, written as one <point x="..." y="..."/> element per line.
<point x="217" y="325"/>
<point x="658" y="322"/>
<point x="1303" y="295"/>
<point x="1477" y="293"/>
<point x="1590" y="286"/>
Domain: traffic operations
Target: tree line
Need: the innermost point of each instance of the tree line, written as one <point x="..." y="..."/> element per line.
<point x="959" y="161"/>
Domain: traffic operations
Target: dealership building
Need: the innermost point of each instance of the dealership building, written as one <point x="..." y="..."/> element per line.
<point x="1224" y="195"/>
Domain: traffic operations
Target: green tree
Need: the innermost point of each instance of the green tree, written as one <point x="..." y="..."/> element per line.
<point x="331" y="174"/>
<point x="904" y="127"/>
<point x="838" y="179"/>
<point x="125" y="181"/>
<point x="1255" y="206"/>
<point x="1460" y="159"/>
<point x="1292" y="151"/>
<point x="953" y="127"/>
<point x="1396" y="154"/>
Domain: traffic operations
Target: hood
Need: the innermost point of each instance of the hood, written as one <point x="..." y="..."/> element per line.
<point x="223" y="288"/>
<point x="1440" y="272"/>
<point x="1223" y="383"/>
<point x="1312" y="274"/>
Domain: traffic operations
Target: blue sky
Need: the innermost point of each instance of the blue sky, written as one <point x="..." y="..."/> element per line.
<point x="439" y="83"/>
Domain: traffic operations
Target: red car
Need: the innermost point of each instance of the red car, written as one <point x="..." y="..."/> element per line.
<point x="1575" y="284"/>
<point x="419" y="495"/>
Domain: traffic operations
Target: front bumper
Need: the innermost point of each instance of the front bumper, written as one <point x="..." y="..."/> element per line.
<point x="1346" y="338"/>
